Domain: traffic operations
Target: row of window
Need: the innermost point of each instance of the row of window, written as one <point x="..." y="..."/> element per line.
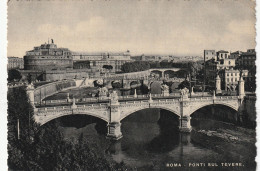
<point x="231" y="80"/>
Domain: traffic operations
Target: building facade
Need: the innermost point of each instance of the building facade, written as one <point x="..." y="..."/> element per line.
<point x="99" y="61"/>
<point x="230" y="78"/>
<point x="222" y="54"/>
<point x="247" y="59"/>
<point x="209" y="54"/>
<point x="48" y="57"/>
<point x="15" y="63"/>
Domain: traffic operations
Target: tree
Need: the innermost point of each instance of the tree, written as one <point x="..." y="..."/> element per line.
<point x="135" y="66"/>
<point x="14" y="74"/>
<point x="109" y="67"/>
<point x="19" y="108"/>
<point x="184" y="84"/>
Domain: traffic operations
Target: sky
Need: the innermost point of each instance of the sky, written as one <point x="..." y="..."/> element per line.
<point x="177" y="27"/>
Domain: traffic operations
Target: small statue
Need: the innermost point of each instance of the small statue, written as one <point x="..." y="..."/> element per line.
<point x="164" y="87"/>
<point x="114" y="98"/>
<point x="103" y="92"/>
<point x="30" y="86"/>
<point x="184" y="91"/>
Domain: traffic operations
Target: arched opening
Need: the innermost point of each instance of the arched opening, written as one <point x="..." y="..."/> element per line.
<point x="157" y="73"/>
<point x="72" y="126"/>
<point x="116" y="84"/>
<point x="98" y="83"/>
<point x="135" y="84"/>
<point x="169" y="74"/>
<point x="148" y="131"/>
<point x="214" y="117"/>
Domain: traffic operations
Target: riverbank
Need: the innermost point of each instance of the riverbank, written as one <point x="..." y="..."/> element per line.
<point x="234" y="142"/>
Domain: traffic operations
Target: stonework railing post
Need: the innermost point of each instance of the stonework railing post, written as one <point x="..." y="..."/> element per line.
<point x="184" y="122"/>
<point x="135" y="95"/>
<point x="114" y="125"/>
<point x="73" y="106"/>
<point x="68" y="97"/>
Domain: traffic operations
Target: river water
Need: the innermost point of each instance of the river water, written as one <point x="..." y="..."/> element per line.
<point x="151" y="141"/>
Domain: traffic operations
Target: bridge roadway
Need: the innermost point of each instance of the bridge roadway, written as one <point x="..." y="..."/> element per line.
<point x="116" y="108"/>
<point x="66" y="102"/>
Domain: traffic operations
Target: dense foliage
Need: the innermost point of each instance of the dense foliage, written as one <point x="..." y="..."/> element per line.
<point x="14" y="74"/>
<point x="135" y="66"/>
<point x="81" y="64"/>
<point x="184" y="84"/>
<point x="109" y="67"/>
<point x="192" y="67"/>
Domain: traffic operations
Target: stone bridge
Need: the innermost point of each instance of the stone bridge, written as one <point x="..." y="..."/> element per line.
<point x="113" y="110"/>
<point x="163" y="70"/>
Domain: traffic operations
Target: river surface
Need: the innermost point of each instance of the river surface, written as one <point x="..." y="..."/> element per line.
<point x="151" y="141"/>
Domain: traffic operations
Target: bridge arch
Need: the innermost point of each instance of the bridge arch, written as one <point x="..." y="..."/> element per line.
<point x="170" y="72"/>
<point x="205" y="105"/>
<point x="174" y="112"/>
<point x="52" y="117"/>
<point x="155" y="71"/>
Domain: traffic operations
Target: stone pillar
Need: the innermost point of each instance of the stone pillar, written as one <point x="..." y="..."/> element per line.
<point x="135" y="95"/>
<point x="192" y="92"/>
<point x="68" y="97"/>
<point x="30" y="93"/>
<point x="184" y="124"/>
<point x="163" y="76"/>
<point x="114" y="126"/>
<point x="218" y="85"/>
<point x="214" y="95"/>
<point x="73" y="106"/>
<point x="241" y="88"/>
<point x="114" y="131"/>
<point x="150" y="98"/>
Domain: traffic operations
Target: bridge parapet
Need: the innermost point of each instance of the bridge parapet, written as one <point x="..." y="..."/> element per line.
<point x="113" y="113"/>
<point x="120" y="98"/>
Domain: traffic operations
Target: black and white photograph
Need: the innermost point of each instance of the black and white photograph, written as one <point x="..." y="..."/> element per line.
<point x="142" y="85"/>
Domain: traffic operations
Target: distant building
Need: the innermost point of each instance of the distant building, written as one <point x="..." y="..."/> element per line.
<point x="235" y="55"/>
<point x="247" y="59"/>
<point x="222" y="54"/>
<point x="15" y="63"/>
<point x="231" y="77"/>
<point x="212" y="67"/>
<point x="99" y="60"/>
<point x="48" y="57"/>
<point x="209" y="54"/>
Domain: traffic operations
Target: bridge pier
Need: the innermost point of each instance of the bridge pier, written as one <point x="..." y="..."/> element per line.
<point x="184" y="124"/>
<point x="114" y="126"/>
<point x="114" y="131"/>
